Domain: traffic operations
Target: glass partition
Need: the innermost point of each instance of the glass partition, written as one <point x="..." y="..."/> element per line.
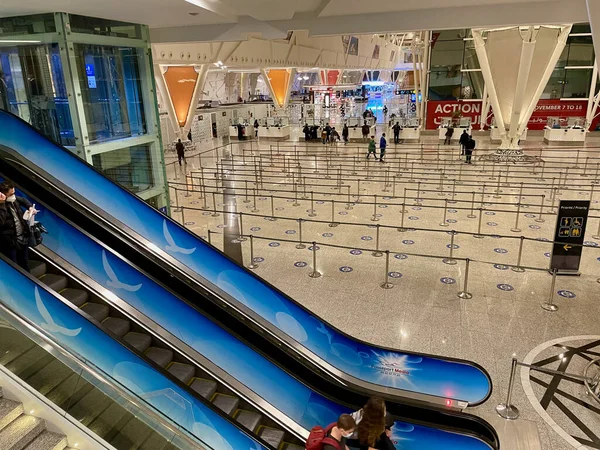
<point x="24" y="25"/>
<point x="74" y="390"/>
<point x="131" y="167"/>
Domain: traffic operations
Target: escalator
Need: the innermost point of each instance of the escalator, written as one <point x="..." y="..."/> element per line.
<point x="230" y="306"/>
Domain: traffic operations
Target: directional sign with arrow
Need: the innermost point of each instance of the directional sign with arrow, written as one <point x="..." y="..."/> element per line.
<point x="569" y="236"/>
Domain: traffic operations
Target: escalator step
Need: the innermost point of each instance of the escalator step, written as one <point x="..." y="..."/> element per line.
<point x="249" y="419"/>
<point x="120" y="327"/>
<point x="141" y="342"/>
<point x="76" y="296"/>
<point x="68" y="391"/>
<point x="271" y="435"/>
<point x="112" y="418"/>
<point x="12" y="345"/>
<point x="96" y="310"/>
<point x="55" y="282"/>
<point x="288" y="446"/>
<point x="49" y="377"/>
<point x="184" y="372"/>
<point x="90" y="406"/>
<point x="226" y="403"/>
<point x="206" y="388"/>
<point x="160" y="356"/>
<point x="131" y="436"/>
<point x="37" y="268"/>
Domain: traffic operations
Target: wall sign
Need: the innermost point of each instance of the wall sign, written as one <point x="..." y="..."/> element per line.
<point x="570" y="230"/>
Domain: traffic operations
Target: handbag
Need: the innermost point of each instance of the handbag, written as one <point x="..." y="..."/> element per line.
<point x="35" y="235"/>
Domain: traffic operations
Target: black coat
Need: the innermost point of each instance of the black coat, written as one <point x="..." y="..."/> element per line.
<point x="8" y="229"/>
<point x="464" y="138"/>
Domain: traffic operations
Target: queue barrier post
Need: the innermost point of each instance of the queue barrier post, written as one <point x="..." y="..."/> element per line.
<point x="315" y="273"/>
<point x="450" y="260"/>
<point x="465" y="294"/>
<point x="386" y="283"/>
<point x="518" y="267"/>
<point x="377" y="253"/>
<point x="507" y="410"/>
<point x="550" y="305"/>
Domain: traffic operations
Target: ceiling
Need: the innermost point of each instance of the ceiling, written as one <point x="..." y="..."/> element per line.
<point x="320" y="17"/>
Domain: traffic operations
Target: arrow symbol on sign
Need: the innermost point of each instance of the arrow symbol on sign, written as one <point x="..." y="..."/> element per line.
<point x="567" y="247"/>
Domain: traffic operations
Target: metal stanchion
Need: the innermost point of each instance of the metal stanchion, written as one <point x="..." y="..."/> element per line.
<point x="450" y="260"/>
<point x="254" y="209"/>
<point x="252" y="264"/>
<point x="404" y="201"/>
<point x="177" y="207"/>
<point x="479" y="235"/>
<point x="507" y="410"/>
<point x="465" y="294"/>
<point x="312" y="212"/>
<point x="520" y="193"/>
<point x="215" y="213"/>
<point x="412" y="172"/>
<point x="357" y="191"/>
<point x="295" y="195"/>
<point x="272" y="218"/>
<point x="550" y="305"/>
<point x="349" y="204"/>
<point x="394" y="186"/>
<point x="241" y="237"/>
<point x="377" y="252"/>
<point x="453" y="192"/>
<point x="518" y="267"/>
<point x="540" y="219"/>
<point x="386" y="283"/>
<point x="472" y="216"/>
<point x="441" y="186"/>
<point x="498" y="188"/>
<point x="493" y="171"/>
<point x="418" y="199"/>
<point x="354" y="166"/>
<point x="187" y="186"/>
<point x="316" y="165"/>
<point x="541" y="178"/>
<point x="516" y="228"/>
<point x="402" y="229"/>
<point x="333" y="224"/>
<point x="304" y="196"/>
<point x="209" y="236"/>
<point x="300" y="245"/>
<point x="375" y="218"/>
<point x="246" y="199"/>
<point x="444" y="223"/>
<point x="183" y="215"/>
<point x="483" y="195"/>
<point x="315" y="273"/>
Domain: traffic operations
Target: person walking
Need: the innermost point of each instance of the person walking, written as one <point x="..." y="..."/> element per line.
<point x="14" y="230"/>
<point x="256" y="125"/>
<point x="469" y="147"/>
<point x="328" y="130"/>
<point x="449" y="134"/>
<point x="365" y="131"/>
<point x="345" y="133"/>
<point x="306" y="131"/>
<point x="335" y="136"/>
<point x="180" y="148"/>
<point x="372" y="148"/>
<point x="382" y="147"/>
<point x="396" y="129"/>
<point x="324" y="136"/>
<point x="464" y="138"/>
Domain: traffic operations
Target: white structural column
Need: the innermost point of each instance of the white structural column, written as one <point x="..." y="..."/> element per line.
<point x="198" y="89"/>
<point x="280" y="88"/>
<point x="161" y="86"/>
<point x="516" y="64"/>
<point x="594" y="98"/>
<point x="593" y="7"/>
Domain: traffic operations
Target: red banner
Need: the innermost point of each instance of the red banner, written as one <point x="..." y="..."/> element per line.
<point x="565" y="109"/>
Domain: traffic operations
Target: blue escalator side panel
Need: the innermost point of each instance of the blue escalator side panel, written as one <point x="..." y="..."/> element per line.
<point x="281" y="390"/>
<point x="406" y="436"/>
<point x="71" y="330"/>
<point x="423" y="374"/>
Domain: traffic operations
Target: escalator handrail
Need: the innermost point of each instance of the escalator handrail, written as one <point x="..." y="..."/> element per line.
<point x="175" y="266"/>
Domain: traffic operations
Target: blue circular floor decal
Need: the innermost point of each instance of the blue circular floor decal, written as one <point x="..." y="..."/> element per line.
<point x="355" y="252"/>
<point x="346" y="269"/>
<point x="451" y="220"/>
<point x="501" y="250"/>
<point x="408" y="242"/>
<point x="416" y="208"/>
<point x="206" y="214"/>
<point x="387" y="198"/>
<point x="395" y="274"/>
<point x="279" y="208"/>
<point x="258" y="259"/>
<point x="542" y="239"/>
<point x="448" y="280"/>
<point x="274" y="244"/>
<point x="501" y="267"/>
<point x="496" y="236"/>
<point x="567" y="294"/>
<point x="454" y="246"/>
<point x="453" y="232"/>
<point x="371" y="226"/>
<point x="327" y="234"/>
<point x="300" y="264"/>
<point x="505" y="287"/>
<point x="530" y="216"/>
<point x="319" y="202"/>
<point x="524" y="206"/>
<point x="403" y="256"/>
<point x="534" y="227"/>
<point x="290" y="200"/>
<point x="490" y="213"/>
<point x="255" y="229"/>
<point x="190" y="223"/>
<point x="492" y="224"/>
<point x="220" y="226"/>
<point x="382" y="206"/>
<point x="366" y="238"/>
<point x="378" y="215"/>
<point x="262" y="198"/>
<point x="547" y="255"/>
<point x="413" y="218"/>
<point x="316" y="248"/>
<point x="195" y="202"/>
<point x="591" y="243"/>
<point x="452" y="211"/>
<point x="290" y="231"/>
<point x="343" y="213"/>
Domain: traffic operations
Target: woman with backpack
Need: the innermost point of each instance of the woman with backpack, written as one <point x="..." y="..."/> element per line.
<point x="372" y="431"/>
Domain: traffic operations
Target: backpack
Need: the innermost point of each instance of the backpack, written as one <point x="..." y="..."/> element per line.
<point x="318" y="438"/>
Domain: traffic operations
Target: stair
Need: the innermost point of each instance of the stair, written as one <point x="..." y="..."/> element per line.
<point x="20" y="431"/>
<point x="111" y="321"/>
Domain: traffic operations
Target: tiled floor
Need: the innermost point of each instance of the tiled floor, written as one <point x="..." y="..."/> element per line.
<point x="422" y="311"/>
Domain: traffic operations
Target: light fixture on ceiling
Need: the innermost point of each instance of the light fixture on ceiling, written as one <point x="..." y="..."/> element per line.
<point x="305" y="77"/>
<point x="18" y="41"/>
<point x="300" y="78"/>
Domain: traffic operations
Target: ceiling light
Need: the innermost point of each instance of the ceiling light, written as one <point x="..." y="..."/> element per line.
<point x="300" y="78"/>
<point x="305" y="77"/>
<point x="11" y="41"/>
<point x="223" y="67"/>
<point x="216" y="64"/>
<point x="220" y="63"/>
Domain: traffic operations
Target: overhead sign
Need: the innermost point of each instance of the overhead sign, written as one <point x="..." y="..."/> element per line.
<point x="570" y="230"/>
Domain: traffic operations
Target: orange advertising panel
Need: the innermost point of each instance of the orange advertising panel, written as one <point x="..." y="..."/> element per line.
<point x="279" y="79"/>
<point x="181" y="82"/>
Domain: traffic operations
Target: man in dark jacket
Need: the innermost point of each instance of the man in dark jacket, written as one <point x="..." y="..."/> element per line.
<point x="396" y="129"/>
<point x="469" y="147"/>
<point x="365" y="131"/>
<point x="14" y="231"/>
<point x="464" y="138"/>
<point x="180" y="151"/>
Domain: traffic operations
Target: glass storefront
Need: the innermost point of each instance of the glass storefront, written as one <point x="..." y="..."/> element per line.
<point x="32" y="86"/>
<point x="111" y="92"/>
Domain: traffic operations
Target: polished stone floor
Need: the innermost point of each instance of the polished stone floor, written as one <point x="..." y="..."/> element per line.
<point x="421" y="310"/>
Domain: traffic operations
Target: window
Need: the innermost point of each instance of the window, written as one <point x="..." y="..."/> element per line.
<point x="130" y="167"/>
<point x="24" y="25"/>
<point x="104" y="27"/>
<point x="109" y="79"/>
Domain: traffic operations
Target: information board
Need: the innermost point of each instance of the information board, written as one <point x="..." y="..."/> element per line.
<point x="569" y="235"/>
